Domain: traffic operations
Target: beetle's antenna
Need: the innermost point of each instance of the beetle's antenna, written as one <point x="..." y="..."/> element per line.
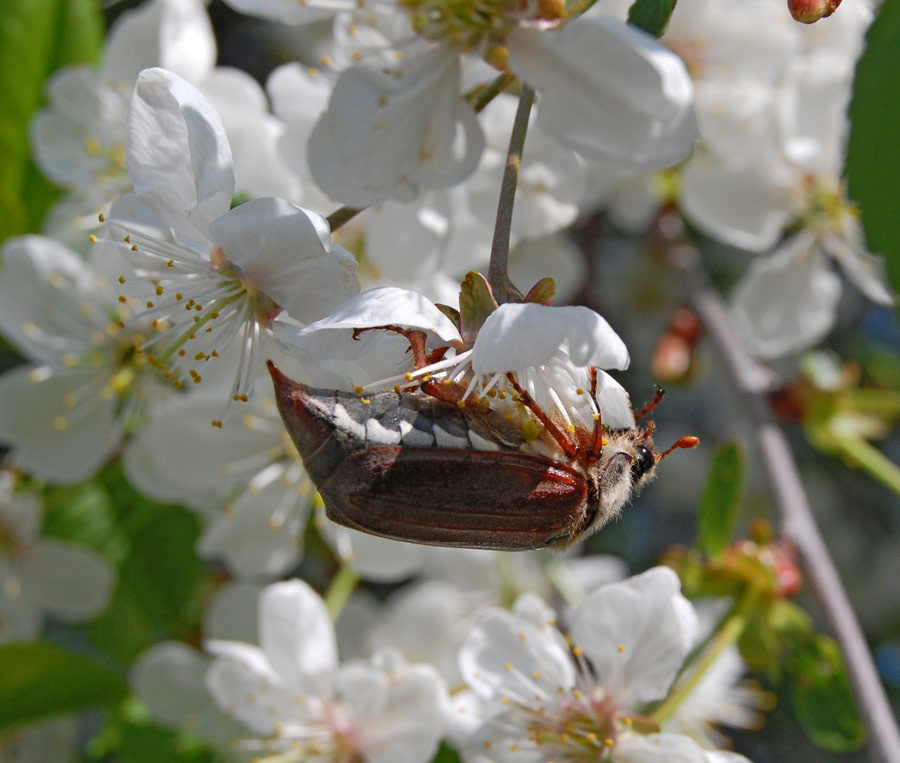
<point x="657" y="399"/>
<point x="690" y="441"/>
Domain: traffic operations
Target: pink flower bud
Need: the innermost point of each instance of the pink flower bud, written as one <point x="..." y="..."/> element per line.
<point x="810" y="11"/>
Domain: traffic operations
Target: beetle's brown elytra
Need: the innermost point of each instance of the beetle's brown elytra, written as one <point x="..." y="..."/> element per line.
<point x="409" y="466"/>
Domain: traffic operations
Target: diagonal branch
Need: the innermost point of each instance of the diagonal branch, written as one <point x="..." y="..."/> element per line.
<point x="797" y="522"/>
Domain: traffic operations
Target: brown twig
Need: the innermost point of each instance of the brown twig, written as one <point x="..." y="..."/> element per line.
<point x="796" y="518"/>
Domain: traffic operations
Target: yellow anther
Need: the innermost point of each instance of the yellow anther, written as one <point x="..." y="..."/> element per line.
<point x="170" y="264"/>
<point x="159" y="291"/>
<point x="101" y="218"/>
<point x="149" y="303"/>
<point x="621" y="648"/>
<point x="134" y="247"/>
<point x="122" y="298"/>
<point x="365" y="400"/>
<point x="92" y="238"/>
<point x="358" y="389"/>
<point x="127" y="239"/>
<point x="181" y="352"/>
<point x="60" y="423"/>
<point x="121" y="279"/>
<point x="579" y="391"/>
<point x="460" y="403"/>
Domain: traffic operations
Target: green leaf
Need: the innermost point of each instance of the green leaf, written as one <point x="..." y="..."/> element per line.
<point x="37" y="37"/>
<point x="823" y="699"/>
<point x="159" y="582"/>
<point x="446" y="755"/>
<point x="651" y="15"/>
<point x="40" y="680"/>
<point x="873" y="153"/>
<point x="718" y="505"/>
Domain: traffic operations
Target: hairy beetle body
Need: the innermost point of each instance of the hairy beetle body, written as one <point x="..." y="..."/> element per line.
<point x="412" y="467"/>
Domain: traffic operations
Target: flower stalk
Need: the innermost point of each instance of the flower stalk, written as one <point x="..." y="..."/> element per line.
<point x="498" y="272"/>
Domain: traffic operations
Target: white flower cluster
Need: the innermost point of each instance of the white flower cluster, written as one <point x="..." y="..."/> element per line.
<point x="191" y="244"/>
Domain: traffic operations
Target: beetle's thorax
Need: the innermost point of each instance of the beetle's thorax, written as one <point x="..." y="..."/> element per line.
<point x="626" y="464"/>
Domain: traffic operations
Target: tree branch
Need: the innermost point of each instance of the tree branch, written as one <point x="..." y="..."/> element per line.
<point x="796" y="517"/>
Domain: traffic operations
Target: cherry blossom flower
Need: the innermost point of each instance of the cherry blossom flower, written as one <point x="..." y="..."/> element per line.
<point x="294" y="697"/>
<point x="40" y="576"/>
<point x="609" y="91"/>
<point x="87" y="382"/>
<point x="550" y="350"/>
<point x="547" y="700"/>
<point x="213" y="275"/>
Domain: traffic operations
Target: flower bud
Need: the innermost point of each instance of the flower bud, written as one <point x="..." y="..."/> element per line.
<point x="810" y="11"/>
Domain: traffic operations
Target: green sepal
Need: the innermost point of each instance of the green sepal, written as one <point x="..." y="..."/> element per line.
<point x="476" y="303"/>
<point x="651" y="15"/>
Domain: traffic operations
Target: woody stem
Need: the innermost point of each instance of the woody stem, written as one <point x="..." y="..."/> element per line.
<point x="797" y="521"/>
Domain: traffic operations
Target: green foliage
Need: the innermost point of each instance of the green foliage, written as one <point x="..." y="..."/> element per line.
<point x="132" y="737"/>
<point x="822" y="697"/>
<point x="37" y="37"/>
<point x="41" y="680"/>
<point x="719" y="503"/>
<point x="446" y="755"/>
<point x="873" y="155"/>
<point x="152" y="544"/>
<point x="158" y="586"/>
<point x="651" y="15"/>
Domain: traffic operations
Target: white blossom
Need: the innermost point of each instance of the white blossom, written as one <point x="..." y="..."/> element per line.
<point x="294" y="697"/>
<point x="539" y="699"/>
<point x="214" y="275"/>
<point x="41" y="576"/>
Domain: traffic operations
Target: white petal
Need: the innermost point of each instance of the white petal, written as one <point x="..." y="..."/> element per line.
<point x="50" y="440"/>
<point x="261" y="533"/>
<point x="69" y="581"/>
<point x="672" y="748"/>
<point x="175" y="35"/>
<point x="508" y="654"/>
<point x="614" y="402"/>
<point x="786" y="302"/>
<point x="377" y="559"/>
<point x="867" y="271"/>
<point x="281" y="251"/>
<point x="335" y="360"/>
<point x="518" y="336"/>
<point x="398" y="708"/>
<point x="180" y="457"/>
<point x="45" y="291"/>
<point x="609" y="91"/>
<point x="226" y="617"/>
<point x="383" y="135"/>
<point x="178" y="155"/>
<point x="170" y="678"/>
<point x="298" y="638"/>
<point x="286" y="11"/>
<point x="636" y="634"/>
<point x="388" y="305"/>
<point x="21" y="514"/>
<point x="743" y="205"/>
<point x="244" y="685"/>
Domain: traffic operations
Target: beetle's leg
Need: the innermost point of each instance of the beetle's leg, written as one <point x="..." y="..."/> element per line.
<point x="570" y="449"/>
<point x="657" y="399"/>
<point x="597" y="438"/>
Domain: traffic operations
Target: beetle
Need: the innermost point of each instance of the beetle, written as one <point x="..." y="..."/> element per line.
<point x="412" y="467"/>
